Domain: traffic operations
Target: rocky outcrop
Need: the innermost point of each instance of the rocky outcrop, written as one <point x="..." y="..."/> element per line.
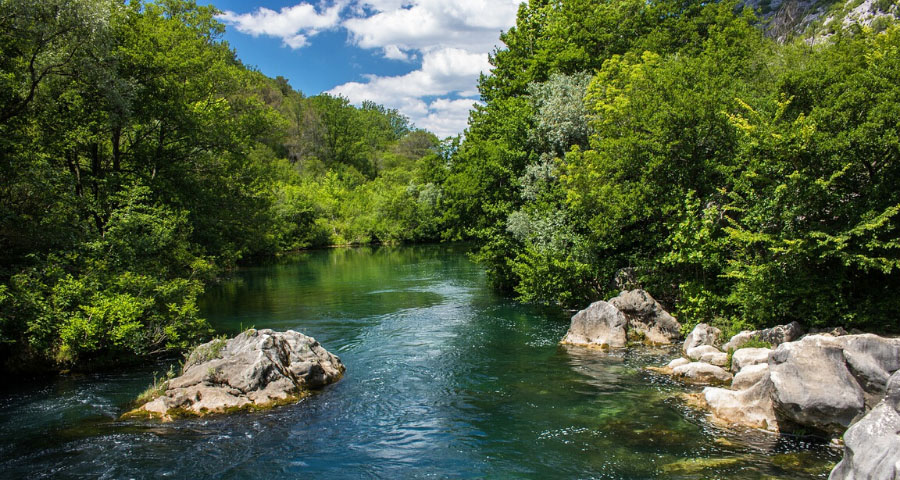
<point x="702" y="334"/>
<point x="871" y="359"/>
<point x="700" y="373"/>
<point x="813" y="386"/>
<point x="773" y="336"/>
<point x="256" y="369"/>
<point x="647" y="318"/>
<point x="632" y="314"/>
<point x="601" y="325"/>
<point x="820" y="383"/>
<point x="872" y="445"/>
<point x="783" y="19"/>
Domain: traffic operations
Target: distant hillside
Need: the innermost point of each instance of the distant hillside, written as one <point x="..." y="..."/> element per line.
<point x="820" y="18"/>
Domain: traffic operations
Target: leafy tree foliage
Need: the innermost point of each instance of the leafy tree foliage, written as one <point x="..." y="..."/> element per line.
<point x="139" y="158"/>
<point x="744" y="182"/>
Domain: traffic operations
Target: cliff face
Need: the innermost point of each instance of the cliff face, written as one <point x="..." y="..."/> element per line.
<point x="817" y="19"/>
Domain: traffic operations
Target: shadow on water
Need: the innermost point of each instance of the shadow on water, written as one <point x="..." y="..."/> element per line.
<point x="445" y="379"/>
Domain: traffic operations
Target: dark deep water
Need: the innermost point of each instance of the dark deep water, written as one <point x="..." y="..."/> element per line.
<point x="444" y="380"/>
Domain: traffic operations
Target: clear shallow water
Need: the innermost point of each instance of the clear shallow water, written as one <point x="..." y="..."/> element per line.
<point x="444" y="380"/>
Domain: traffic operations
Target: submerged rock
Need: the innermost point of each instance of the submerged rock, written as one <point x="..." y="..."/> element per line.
<point x="702" y="334"/>
<point x="647" y="317"/>
<point x="256" y="369"/>
<point x="872" y="445"/>
<point x="600" y="325"/>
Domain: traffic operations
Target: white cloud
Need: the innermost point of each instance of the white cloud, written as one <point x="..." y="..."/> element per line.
<point x="427" y="24"/>
<point x="444" y="72"/>
<point x="393" y="52"/>
<point x="446" y="117"/>
<point x="452" y="39"/>
<point x="294" y="25"/>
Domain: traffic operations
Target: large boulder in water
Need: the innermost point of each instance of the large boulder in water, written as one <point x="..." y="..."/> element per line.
<point x="647" y="318"/>
<point x="256" y="369"/>
<point x="813" y="386"/>
<point x="702" y="334"/>
<point x="872" y="445"/>
<point x="749" y="403"/>
<point x="600" y="325"/>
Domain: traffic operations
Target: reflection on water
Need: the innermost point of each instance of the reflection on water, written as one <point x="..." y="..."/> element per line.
<point x="444" y="380"/>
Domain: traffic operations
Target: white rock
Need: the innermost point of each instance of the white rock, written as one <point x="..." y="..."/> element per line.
<point x="749" y="356"/>
<point x="600" y="325"/>
<point x="701" y="373"/>
<point x="256" y="368"/>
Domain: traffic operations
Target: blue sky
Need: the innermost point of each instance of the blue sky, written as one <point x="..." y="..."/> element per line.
<point x="422" y="57"/>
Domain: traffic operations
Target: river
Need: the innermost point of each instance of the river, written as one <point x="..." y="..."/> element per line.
<point x="445" y="379"/>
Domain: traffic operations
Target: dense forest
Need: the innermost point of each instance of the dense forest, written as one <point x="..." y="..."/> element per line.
<point x="141" y="160"/>
<point x="675" y="145"/>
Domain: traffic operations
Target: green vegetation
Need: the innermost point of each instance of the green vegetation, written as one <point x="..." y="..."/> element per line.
<point x="157" y="388"/>
<point x="207" y="351"/>
<point x="744" y="182"/>
<point x="139" y="159"/>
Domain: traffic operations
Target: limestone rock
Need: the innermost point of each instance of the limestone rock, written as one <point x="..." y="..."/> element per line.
<point x="750" y="405"/>
<point x="749" y="356"/>
<point x="600" y="325"/>
<point x="697" y="352"/>
<point x="813" y="386"/>
<point x="257" y="368"/>
<point x="781" y="334"/>
<point x="774" y="336"/>
<point x="702" y="334"/>
<point x="708" y="354"/>
<point x="678" y="362"/>
<point x="749" y="376"/>
<point x="670" y="367"/>
<point x="871" y="359"/>
<point x="701" y="373"/>
<point x="872" y="445"/>
<point x="739" y="340"/>
<point x="647" y="317"/>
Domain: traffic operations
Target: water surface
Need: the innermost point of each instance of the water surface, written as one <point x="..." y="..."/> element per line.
<point x="445" y="379"/>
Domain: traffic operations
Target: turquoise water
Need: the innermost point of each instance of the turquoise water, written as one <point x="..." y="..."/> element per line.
<point x="445" y="379"/>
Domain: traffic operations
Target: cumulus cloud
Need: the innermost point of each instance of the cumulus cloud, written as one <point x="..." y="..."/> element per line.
<point x="444" y="72"/>
<point x="294" y="25"/>
<point x="452" y="40"/>
<point x="446" y="117"/>
<point x="426" y="24"/>
<point x="393" y="52"/>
